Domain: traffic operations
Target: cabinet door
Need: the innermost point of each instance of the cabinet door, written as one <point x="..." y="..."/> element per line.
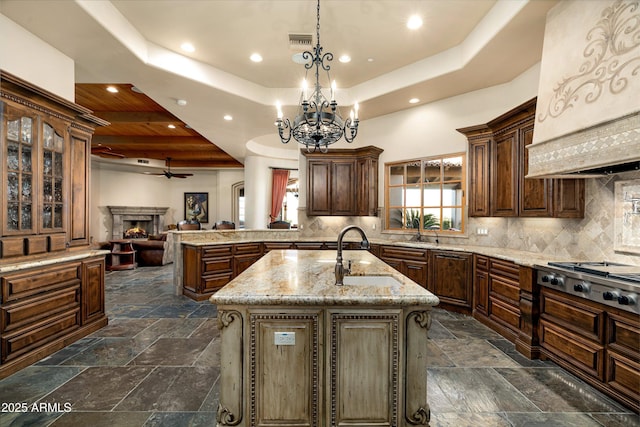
<point x="451" y="278"/>
<point x="343" y="195"/>
<point x="535" y="194"/>
<point x="79" y="166"/>
<point x="92" y="290"/>
<point x="504" y="174"/>
<point x="319" y="188"/>
<point x="364" y="377"/>
<point x="479" y="176"/>
<point x="416" y="271"/>
<point x="481" y="285"/>
<point x="19" y="171"/>
<point x="367" y="187"/>
<point x="285" y="374"/>
<point x="53" y="181"/>
<point x="568" y="198"/>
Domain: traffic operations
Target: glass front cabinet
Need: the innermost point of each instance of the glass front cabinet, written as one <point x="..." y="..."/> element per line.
<point x="45" y="143"/>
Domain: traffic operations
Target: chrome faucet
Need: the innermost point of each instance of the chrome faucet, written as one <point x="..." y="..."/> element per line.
<point x="340" y="270"/>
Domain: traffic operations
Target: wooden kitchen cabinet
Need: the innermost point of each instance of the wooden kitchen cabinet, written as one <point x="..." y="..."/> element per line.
<point x="498" y="167"/>
<point x="45" y="308"/>
<point x="343" y="182"/>
<point x="244" y="255"/>
<point x="45" y="141"/>
<point x="412" y="262"/>
<point x="480" y="285"/>
<point x="450" y="279"/>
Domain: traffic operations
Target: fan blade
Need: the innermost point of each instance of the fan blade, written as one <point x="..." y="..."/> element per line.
<point x="181" y="175"/>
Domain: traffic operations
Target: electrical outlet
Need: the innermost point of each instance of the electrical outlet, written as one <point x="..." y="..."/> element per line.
<point x="285" y="338"/>
<point x="482" y="231"/>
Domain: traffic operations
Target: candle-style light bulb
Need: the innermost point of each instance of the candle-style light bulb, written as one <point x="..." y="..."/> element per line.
<point x="333" y="90"/>
<point x="279" y="110"/>
<point x="356" y="107"/>
<point x="351" y="115"/>
<point x="304" y="89"/>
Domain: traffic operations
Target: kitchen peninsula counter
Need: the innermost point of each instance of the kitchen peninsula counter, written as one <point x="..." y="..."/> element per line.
<point x="296" y="349"/>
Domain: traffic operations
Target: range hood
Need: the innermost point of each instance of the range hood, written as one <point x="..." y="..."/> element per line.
<point x="588" y="111"/>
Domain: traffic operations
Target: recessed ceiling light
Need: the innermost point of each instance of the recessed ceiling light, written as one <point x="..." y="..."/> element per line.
<point x="181" y="102"/>
<point x="187" y="47"/>
<point x="112" y="89"/>
<point x="344" y="59"/>
<point x="256" y="57"/>
<point x="171" y="126"/>
<point x="414" y="22"/>
<point x="369" y="59"/>
<point x="414" y="101"/>
<point x="228" y="117"/>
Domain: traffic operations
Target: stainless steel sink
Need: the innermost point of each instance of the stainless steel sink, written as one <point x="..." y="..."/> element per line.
<point x="371" y="281"/>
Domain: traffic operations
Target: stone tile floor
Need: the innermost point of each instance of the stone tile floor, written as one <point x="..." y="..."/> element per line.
<point x="156" y="364"/>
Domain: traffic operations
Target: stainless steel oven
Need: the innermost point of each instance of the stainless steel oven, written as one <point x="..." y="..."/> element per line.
<point x="616" y="285"/>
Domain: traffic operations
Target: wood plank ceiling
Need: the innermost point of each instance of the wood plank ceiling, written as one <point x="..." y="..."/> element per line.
<point x="139" y="129"/>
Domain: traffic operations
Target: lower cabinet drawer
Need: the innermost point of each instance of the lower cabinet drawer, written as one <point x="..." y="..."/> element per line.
<point x="217" y="265"/>
<point x="586" y="356"/>
<point x="623" y="375"/>
<point x="504" y="313"/>
<point x="25" y="284"/>
<point x="26" y="339"/>
<point x="580" y="318"/>
<point x="20" y="314"/>
<point x="214" y="282"/>
<point x="624" y="335"/>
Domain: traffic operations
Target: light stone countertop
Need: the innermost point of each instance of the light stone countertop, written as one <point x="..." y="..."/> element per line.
<point x="304" y="278"/>
<point x="523" y="258"/>
<point x="49" y="259"/>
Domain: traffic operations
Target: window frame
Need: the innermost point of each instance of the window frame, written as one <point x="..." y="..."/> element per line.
<point x="421" y="185"/>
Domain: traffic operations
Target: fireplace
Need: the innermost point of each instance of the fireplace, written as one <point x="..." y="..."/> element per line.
<point x="149" y="219"/>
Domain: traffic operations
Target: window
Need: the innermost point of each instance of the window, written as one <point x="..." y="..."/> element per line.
<point x="238" y="203"/>
<point x="426" y="194"/>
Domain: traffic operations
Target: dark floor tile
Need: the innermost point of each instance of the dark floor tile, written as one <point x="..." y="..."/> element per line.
<point x="171" y="311"/>
<point x="474" y="353"/>
<point x="72" y="350"/>
<point x="107" y="352"/>
<point x="206" y="310"/>
<point x="172" y="352"/>
<point x="555" y="390"/>
<point x="28" y="419"/>
<point x="210" y="356"/>
<point x="207" y="329"/>
<point x="439" y="332"/>
<point x="454" y="419"/>
<point x="509" y="349"/>
<point x="99" y="388"/>
<point x="130" y="310"/>
<point x="33" y="382"/>
<point x="555" y="419"/>
<point x="477" y="390"/>
<point x="618" y="420"/>
<point x="171" y="389"/>
<point x="436" y="357"/>
<point x="468" y="327"/>
<point x="211" y="401"/>
<point x="183" y="419"/>
<point x="124" y="327"/>
<point x="102" y="419"/>
<point x="170" y="328"/>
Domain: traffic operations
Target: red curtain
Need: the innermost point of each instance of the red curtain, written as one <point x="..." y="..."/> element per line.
<point x="278" y="190"/>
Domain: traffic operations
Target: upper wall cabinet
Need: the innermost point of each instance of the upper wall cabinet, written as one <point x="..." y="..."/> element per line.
<point x="45" y="144"/>
<point x="343" y="182"/>
<point x="498" y="160"/>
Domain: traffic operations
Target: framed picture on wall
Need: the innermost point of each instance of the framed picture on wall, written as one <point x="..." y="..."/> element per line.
<point x="196" y="207"/>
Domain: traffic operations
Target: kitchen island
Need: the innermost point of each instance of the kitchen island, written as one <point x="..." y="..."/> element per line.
<point x="298" y="350"/>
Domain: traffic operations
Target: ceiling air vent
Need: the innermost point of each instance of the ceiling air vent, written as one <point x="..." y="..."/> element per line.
<point x="144" y="162"/>
<point x="300" y="41"/>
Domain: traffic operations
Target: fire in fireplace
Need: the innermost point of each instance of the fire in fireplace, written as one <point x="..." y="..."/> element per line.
<point x="135" y="233"/>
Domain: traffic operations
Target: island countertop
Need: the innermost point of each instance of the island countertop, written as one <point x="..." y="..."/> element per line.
<point x="304" y="278"/>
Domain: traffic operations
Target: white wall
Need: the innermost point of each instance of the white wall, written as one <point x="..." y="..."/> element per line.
<point x="26" y="56"/>
<point x="118" y="188"/>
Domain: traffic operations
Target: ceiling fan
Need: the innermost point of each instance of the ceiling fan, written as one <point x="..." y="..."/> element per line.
<point x="105" y="151"/>
<point x="168" y="172"/>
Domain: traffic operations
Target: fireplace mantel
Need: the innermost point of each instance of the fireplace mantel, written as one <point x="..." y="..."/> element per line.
<point x="122" y="216"/>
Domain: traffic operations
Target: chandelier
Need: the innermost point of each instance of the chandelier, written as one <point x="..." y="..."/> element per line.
<point x="318" y="123"/>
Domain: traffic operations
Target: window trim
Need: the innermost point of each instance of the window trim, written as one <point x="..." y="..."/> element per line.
<point x="419" y="184"/>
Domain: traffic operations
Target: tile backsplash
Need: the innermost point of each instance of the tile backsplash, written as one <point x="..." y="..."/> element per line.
<point x="590" y="238"/>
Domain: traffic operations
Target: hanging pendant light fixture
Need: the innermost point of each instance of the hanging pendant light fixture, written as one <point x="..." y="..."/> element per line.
<point x="318" y="123"/>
